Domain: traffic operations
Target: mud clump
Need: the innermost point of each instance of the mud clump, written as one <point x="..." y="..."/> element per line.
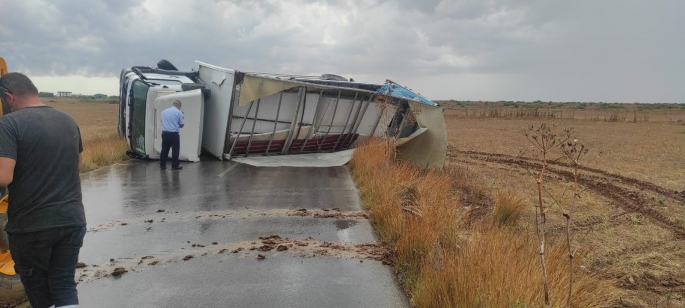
<point x="188" y="257"/>
<point x="118" y="271"/>
<point x="300" y="212"/>
<point x="80" y="265"/>
<point x="153" y="263"/>
<point x="261" y="256"/>
<point x="237" y="250"/>
<point x="282" y="248"/>
<point x="197" y="246"/>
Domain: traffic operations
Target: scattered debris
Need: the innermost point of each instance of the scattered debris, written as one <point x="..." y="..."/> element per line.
<point x="111" y="260"/>
<point x="270" y="237"/>
<point x="237" y="250"/>
<point x="261" y="256"/>
<point x="198" y="245"/>
<point x="149" y="221"/>
<point x="124" y="223"/>
<point x="188" y="257"/>
<point x="282" y="248"/>
<point x="147" y="257"/>
<point x="118" y="271"/>
<point x="215" y="243"/>
<point x="153" y="263"/>
<point x="326" y="209"/>
<point x="161" y="211"/>
<point x="80" y="265"/>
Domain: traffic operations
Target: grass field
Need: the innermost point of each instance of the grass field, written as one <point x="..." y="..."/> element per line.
<point x="98" y="123"/>
<point x="631" y="214"/>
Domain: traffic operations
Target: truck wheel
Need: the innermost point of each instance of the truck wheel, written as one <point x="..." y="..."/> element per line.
<point x="166" y="65"/>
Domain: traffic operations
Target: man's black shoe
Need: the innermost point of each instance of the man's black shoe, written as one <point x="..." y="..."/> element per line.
<point x="176" y="168"/>
<point x="162" y="167"/>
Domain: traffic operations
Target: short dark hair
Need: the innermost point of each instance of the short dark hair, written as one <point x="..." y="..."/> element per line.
<point x="17" y="84"/>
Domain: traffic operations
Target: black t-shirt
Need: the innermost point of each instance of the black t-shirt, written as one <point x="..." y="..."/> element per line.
<point x="46" y="189"/>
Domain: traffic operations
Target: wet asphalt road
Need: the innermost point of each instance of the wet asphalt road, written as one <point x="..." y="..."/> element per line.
<point x="146" y="221"/>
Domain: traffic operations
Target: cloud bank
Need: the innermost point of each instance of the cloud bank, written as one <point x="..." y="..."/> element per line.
<point x="613" y="50"/>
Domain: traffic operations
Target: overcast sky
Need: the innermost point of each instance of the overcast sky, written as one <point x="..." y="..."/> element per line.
<point x="594" y="50"/>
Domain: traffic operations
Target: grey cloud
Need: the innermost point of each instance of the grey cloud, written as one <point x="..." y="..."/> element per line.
<point x="566" y="46"/>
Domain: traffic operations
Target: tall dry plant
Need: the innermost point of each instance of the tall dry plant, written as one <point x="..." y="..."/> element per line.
<point x="544" y="140"/>
<point x="573" y="151"/>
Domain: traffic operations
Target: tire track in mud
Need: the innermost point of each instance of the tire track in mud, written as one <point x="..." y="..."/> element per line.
<point x="627" y="199"/>
<point x="642" y="185"/>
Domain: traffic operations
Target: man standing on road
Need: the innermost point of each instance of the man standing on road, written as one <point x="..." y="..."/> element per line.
<point x="172" y="121"/>
<point x="40" y="157"/>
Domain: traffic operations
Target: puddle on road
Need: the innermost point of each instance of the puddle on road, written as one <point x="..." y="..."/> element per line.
<point x="345" y="224"/>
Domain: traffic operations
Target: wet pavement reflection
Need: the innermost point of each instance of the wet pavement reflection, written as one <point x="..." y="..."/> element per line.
<point x="191" y="238"/>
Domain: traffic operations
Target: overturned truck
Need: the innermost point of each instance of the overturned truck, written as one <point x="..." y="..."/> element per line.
<point x="264" y="119"/>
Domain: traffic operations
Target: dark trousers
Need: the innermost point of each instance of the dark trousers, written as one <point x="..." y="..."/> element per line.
<point x="173" y="141"/>
<point x="46" y="263"/>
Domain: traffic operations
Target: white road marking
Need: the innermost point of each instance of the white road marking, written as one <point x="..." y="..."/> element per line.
<point x="228" y="170"/>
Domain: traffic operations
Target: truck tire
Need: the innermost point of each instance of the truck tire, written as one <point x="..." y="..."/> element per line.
<point x="166" y="65"/>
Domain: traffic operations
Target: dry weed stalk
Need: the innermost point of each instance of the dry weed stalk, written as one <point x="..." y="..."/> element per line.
<point x="544" y="140"/>
<point x="573" y="151"/>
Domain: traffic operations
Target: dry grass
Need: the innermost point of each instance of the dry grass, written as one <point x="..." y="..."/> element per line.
<point x="448" y="255"/>
<point x="98" y="124"/>
<point x="509" y="209"/>
<point x="499" y="267"/>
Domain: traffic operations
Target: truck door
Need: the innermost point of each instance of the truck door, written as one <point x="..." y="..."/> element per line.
<point x="193" y="114"/>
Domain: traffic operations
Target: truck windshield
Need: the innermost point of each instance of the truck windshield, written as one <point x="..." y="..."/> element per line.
<point x="138" y="111"/>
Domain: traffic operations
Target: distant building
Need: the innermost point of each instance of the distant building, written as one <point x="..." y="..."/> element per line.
<point x="63" y="94"/>
<point x="99" y="96"/>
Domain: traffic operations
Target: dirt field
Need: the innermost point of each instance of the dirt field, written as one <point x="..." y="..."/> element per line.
<point x="631" y="213"/>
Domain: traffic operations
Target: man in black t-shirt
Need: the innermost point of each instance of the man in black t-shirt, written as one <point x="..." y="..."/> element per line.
<point x="40" y="157"/>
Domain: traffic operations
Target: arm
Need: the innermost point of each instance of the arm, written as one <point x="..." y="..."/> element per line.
<point x="80" y="149"/>
<point x="6" y="170"/>
<point x="8" y="153"/>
